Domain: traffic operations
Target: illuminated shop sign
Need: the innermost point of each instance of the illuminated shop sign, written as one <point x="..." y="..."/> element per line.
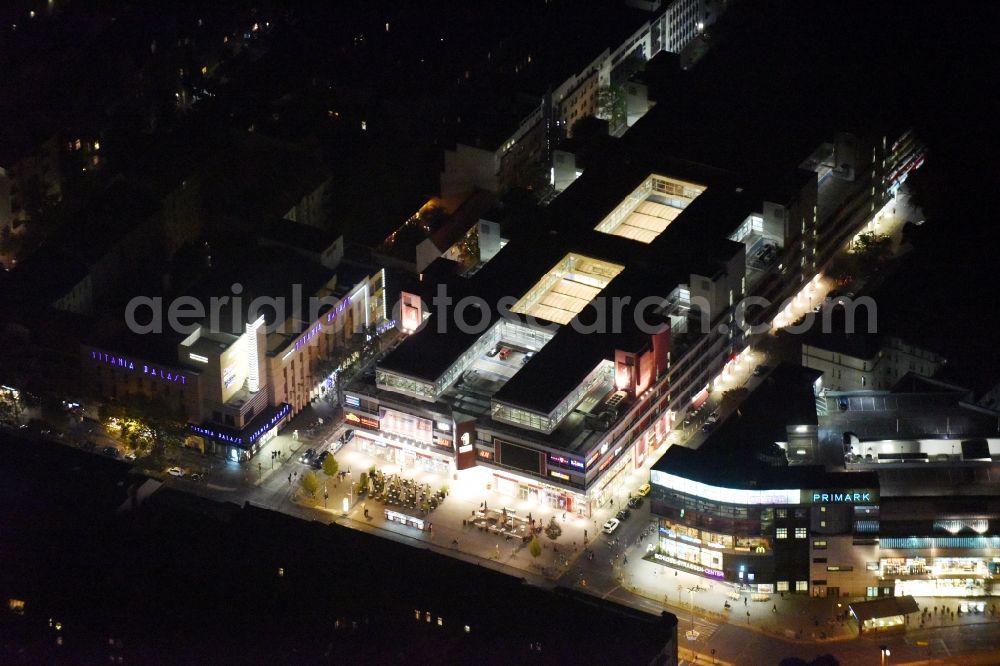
<point x="341" y="306"/>
<point x="132" y="366"/>
<point x="253" y="437"/>
<point x="304" y="340"/>
<point x="851" y="496"/>
<point x="690" y="566"/>
<point x="569" y="462"/>
<point x="352" y="401"/>
<point x="593" y="457"/>
<point x="485" y="455"/>
<point x="221" y="436"/>
<point x="363" y="421"/>
<point x="559" y="475"/>
<point x="282" y="413"/>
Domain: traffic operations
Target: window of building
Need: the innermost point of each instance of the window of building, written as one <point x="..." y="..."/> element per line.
<point x="800" y="533"/>
<point x="840" y="568"/>
<point x="801" y="585"/>
<point x="800" y="513"/>
<point x="822" y="509"/>
<point x="871" y="592"/>
<point x="871" y="566"/>
<point x="819" y="560"/>
<point x="822" y="523"/>
<point x="781" y="533"/>
<point x="782" y="586"/>
<point x="782" y="513"/>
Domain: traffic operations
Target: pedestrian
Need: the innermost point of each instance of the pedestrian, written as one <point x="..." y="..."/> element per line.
<point x="744" y="599"/>
<point x="774" y="608"/>
<point x="289" y="477"/>
<point x="626" y="559"/>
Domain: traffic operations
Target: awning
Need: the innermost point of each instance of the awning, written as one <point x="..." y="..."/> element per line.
<point x="887" y="607"/>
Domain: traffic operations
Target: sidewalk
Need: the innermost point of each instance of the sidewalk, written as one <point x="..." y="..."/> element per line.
<point x="796" y="617"/>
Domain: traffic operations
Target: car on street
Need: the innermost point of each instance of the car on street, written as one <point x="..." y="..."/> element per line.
<point x="175" y="471"/>
<point x="318" y="461"/>
<point x="610" y="526"/>
<point x="347" y="436"/>
<point x="635" y="503"/>
<point x="307" y="456"/>
<point x="196" y="477"/>
<point x="527" y="357"/>
<point x="623" y="514"/>
<point x="760" y="370"/>
<point x="504" y="353"/>
<point x="844" y="404"/>
<point x="708" y="427"/>
<point x="110" y="452"/>
<point x="643" y="490"/>
<point x="713" y="417"/>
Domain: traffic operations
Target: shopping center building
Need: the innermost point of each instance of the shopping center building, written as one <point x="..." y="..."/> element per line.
<point x="590" y="334"/>
<point x="751" y="524"/>
<point x="734" y="510"/>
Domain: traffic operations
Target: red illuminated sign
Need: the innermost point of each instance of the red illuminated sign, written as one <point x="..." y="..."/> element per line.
<point x="363" y="421"/>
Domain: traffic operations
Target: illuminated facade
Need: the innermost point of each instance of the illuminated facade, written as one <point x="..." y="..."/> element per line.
<point x="757" y="533"/>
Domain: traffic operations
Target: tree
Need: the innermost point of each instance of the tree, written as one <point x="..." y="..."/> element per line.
<point x="331" y="466"/>
<point x="873" y="250"/>
<point x="310" y="483"/>
<point x="146" y="425"/>
<point x="363" y="483"/>
<point x="534" y="547"/>
<point x="552" y="530"/>
<point x="733" y="397"/>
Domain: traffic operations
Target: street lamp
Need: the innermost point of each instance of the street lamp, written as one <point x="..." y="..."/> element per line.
<point x="885" y="654"/>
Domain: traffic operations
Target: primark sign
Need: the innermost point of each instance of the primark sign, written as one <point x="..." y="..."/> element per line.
<point x="859" y="496"/>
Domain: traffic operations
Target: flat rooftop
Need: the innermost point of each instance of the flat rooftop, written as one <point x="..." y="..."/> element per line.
<point x="532" y="269"/>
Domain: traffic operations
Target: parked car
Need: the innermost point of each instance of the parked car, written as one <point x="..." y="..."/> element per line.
<point x="493" y="352"/>
<point x="307" y="456"/>
<point x="713" y="417"/>
<point x="844" y="404"/>
<point x="196" y="477"/>
<point x="175" y="471"/>
<point x="610" y="526"/>
<point x="643" y="490"/>
<point x="527" y="357"/>
<point x="110" y="451"/>
<point x="348" y="435"/>
<point x="623" y="514"/>
<point x="760" y="370"/>
<point x="708" y="427"/>
<point x="635" y="502"/>
<point x="504" y="353"/>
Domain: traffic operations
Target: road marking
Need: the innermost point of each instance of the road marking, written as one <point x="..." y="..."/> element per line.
<point x="215" y="487"/>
